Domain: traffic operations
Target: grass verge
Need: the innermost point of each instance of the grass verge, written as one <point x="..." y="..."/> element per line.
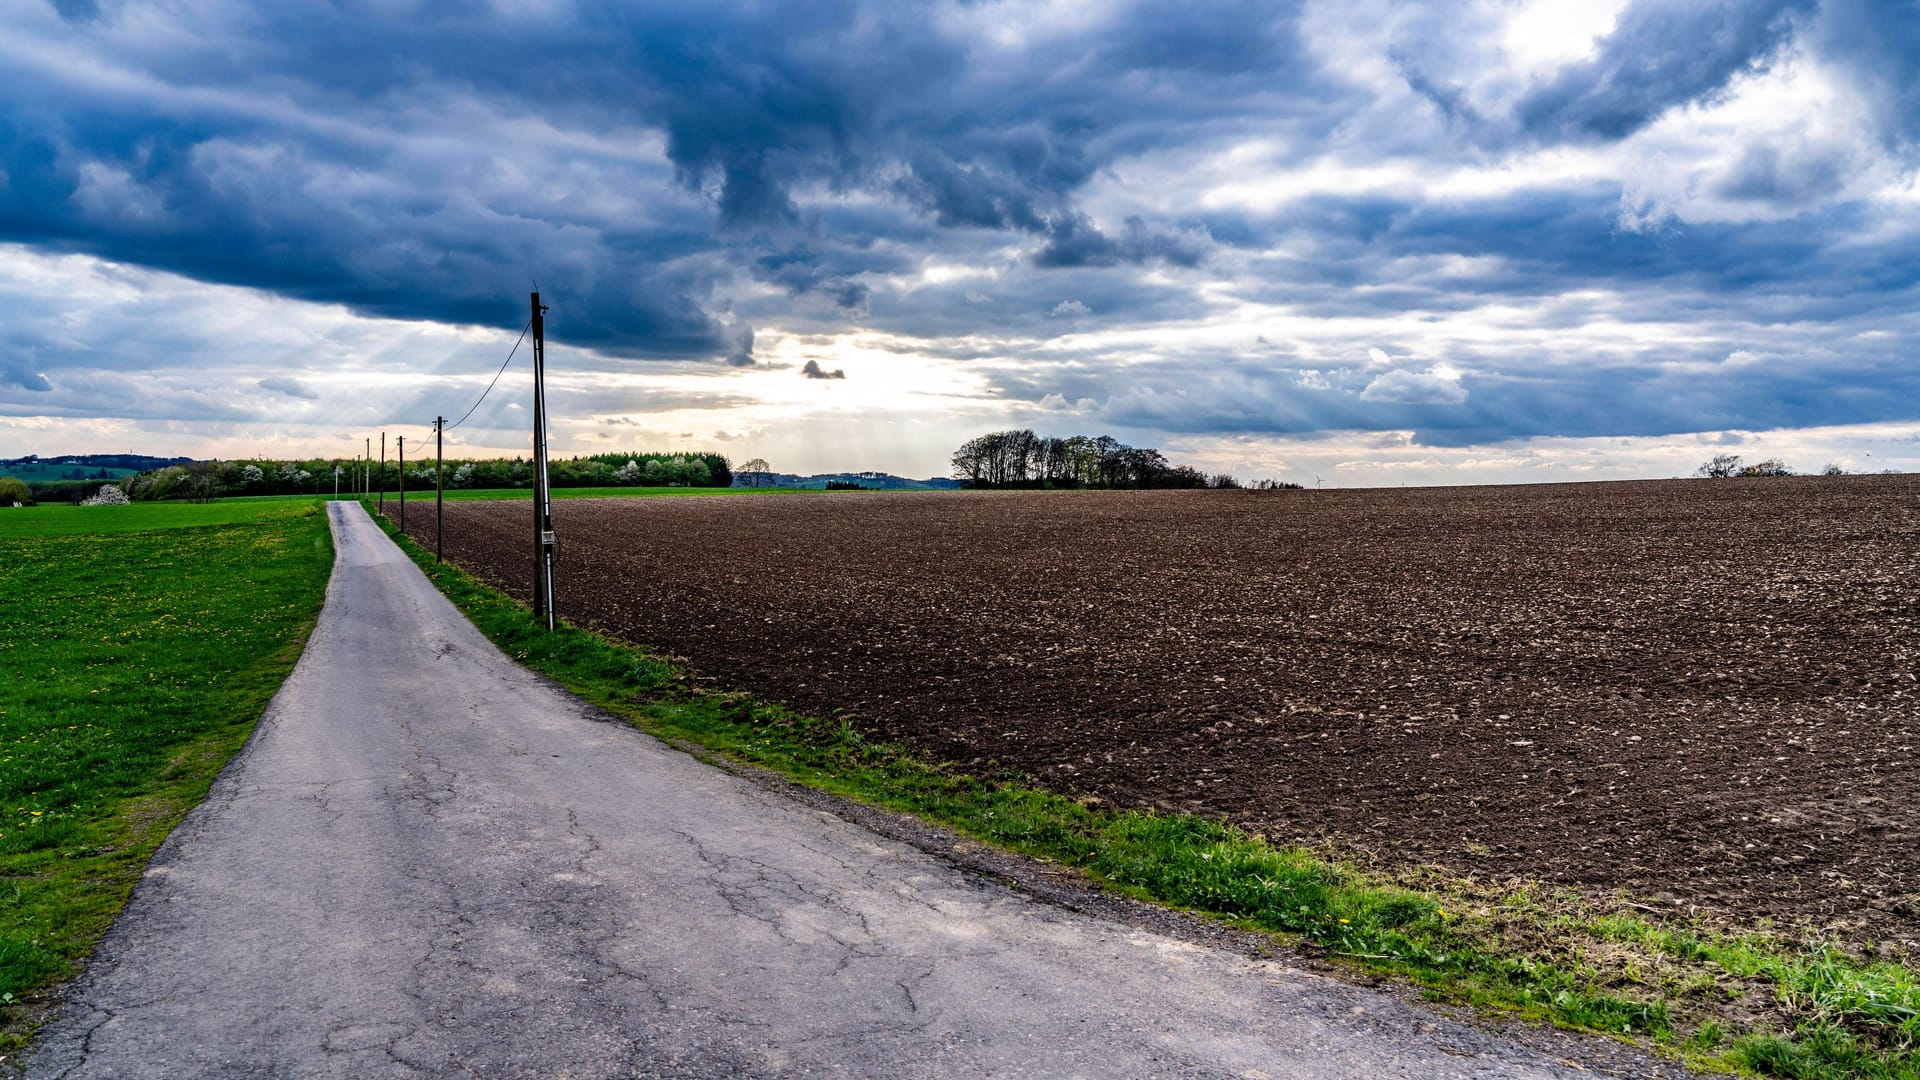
<point x="139" y="644"/>
<point x="1720" y="998"/>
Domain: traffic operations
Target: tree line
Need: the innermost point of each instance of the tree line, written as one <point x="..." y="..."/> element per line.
<point x="1022" y="459"/>
<point x="1727" y="466"/>
<point x="204" y="480"/>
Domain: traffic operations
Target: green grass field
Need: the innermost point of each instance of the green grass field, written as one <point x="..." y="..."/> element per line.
<point x="139" y="645"/>
<point x="61" y="519"/>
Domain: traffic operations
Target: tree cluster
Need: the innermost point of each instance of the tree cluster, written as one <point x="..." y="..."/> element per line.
<point x="594" y="470"/>
<point x="1021" y="459"/>
<point x="1725" y="466"/>
<point x="205" y="480"/>
<point x="642" y="470"/>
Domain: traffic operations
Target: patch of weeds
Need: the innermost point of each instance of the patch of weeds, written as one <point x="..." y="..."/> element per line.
<point x="1820" y="1051"/>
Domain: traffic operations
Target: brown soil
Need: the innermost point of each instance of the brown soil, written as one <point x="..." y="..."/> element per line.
<point x="1702" y="692"/>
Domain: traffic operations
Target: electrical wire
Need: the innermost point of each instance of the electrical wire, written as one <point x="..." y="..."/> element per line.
<point x="496" y="376"/>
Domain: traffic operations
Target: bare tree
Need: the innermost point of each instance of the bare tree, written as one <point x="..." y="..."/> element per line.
<point x="1721" y="466"/>
<point x="755" y="472"/>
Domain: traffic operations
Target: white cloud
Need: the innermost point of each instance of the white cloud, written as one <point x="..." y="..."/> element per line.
<point x="1071" y="309"/>
<point x="1775" y="144"/>
<point x="1438" y="385"/>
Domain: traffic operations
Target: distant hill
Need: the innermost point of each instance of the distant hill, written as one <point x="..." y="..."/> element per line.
<point x="35" y="469"/>
<point x="872" y="481"/>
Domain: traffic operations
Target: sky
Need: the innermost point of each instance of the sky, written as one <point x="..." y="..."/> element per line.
<point x="1352" y="243"/>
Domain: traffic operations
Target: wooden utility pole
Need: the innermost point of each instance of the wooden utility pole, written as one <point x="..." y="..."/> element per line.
<point x="439" y="485"/>
<point x="383" y="472"/>
<point x="542" y="498"/>
<point x="402" y="439"/>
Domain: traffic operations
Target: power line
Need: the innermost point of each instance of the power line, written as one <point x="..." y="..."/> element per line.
<point x="496" y="376"/>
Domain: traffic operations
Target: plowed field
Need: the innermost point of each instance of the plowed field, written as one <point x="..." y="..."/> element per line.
<point x="1700" y="691"/>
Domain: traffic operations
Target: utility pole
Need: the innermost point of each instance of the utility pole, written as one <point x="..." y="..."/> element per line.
<point x="366" y="469"/>
<point x="403" y="483"/>
<point x="542" y="497"/>
<point x="383" y="472"/>
<point x="439" y="487"/>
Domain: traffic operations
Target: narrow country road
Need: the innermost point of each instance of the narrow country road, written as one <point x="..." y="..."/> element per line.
<point x="428" y="861"/>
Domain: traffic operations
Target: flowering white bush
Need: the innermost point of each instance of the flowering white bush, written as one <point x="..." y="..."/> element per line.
<point x="110" y="495"/>
<point x="463" y="474"/>
<point x="628" y="473"/>
<point x="252" y="474"/>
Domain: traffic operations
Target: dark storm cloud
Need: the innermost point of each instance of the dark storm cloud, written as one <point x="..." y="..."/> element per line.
<point x="191" y="202"/>
<point x="1659" y="55"/>
<point x="802" y="272"/>
<point x="1368" y="251"/>
<point x="742" y="352"/>
<point x="969" y="195"/>
<point x="327" y="200"/>
<point x="948" y="319"/>
<point x="1073" y="240"/>
<point x="1449" y="98"/>
<point x="31" y="381"/>
<point x="1880" y="40"/>
<point x="294" y="388"/>
<point x="77" y="10"/>
<point x="1767" y="175"/>
<point x="813" y="370"/>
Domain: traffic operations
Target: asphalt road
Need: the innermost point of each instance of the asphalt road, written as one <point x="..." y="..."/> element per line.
<point x="428" y="861"/>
